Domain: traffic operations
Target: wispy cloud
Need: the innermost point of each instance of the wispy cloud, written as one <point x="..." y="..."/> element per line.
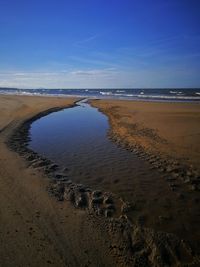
<point x="66" y="79"/>
<point x="86" y="40"/>
<point x="96" y="72"/>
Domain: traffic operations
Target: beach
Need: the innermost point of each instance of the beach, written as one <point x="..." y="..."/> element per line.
<point x="168" y="129"/>
<point x="39" y="230"/>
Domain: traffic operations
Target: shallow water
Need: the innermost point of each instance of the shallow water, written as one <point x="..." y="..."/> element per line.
<point x="76" y="139"/>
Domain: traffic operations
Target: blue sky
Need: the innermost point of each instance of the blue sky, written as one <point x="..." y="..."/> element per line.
<point x="99" y="43"/>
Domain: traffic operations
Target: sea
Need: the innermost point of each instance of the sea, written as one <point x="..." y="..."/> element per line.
<point x="162" y="94"/>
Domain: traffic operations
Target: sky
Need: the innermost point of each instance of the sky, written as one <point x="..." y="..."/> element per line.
<point x="99" y="43"/>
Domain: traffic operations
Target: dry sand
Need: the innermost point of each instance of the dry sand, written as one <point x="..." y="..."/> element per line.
<point x="38" y="230"/>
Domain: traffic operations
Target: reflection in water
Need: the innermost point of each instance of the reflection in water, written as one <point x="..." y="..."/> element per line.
<point x="76" y="138"/>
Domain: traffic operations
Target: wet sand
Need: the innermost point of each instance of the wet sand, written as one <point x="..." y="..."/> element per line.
<point x="165" y="129"/>
<point x="166" y="137"/>
<point x="38" y="230"/>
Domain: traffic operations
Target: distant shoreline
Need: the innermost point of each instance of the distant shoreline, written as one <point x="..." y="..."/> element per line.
<point x="152" y="95"/>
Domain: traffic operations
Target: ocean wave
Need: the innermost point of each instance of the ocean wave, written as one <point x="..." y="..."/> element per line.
<point x="137" y="94"/>
<point x="170" y="97"/>
<point x="175" y="92"/>
<point x="120" y="91"/>
<point x="106" y="93"/>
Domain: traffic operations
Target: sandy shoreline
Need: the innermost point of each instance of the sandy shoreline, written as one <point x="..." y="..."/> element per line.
<point x="169" y="129"/>
<point x="39" y="231"/>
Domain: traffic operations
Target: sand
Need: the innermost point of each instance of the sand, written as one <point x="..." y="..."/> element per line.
<point x="38" y="230"/>
<point x="170" y="129"/>
<point x="35" y="229"/>
<point x="165" y="135"/>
